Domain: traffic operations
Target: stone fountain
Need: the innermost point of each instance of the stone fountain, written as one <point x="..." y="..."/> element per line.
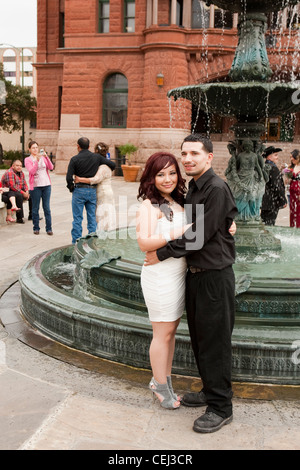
<point x="250" y="97"/>
<point x="89" y="296"/>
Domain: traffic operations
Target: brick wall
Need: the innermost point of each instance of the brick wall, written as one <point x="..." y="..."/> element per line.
<point x="183" y="56"/>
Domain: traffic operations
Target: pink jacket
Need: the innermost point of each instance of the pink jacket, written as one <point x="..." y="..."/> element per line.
<point x="32" y="166"/>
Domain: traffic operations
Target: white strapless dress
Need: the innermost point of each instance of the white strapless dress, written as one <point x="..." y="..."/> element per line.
<point x="163" y="284"/>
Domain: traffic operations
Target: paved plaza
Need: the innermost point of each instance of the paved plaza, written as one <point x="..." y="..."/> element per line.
<point x="54" y="398"/>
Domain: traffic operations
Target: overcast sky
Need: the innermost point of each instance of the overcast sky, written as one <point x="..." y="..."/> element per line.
<point x="18" y="21"/>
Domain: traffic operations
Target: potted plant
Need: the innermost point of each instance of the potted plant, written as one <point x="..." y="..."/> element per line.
<point x="130" y="171"/>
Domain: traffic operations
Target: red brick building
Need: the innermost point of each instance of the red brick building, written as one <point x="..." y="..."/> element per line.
<point x="104" y="68"/>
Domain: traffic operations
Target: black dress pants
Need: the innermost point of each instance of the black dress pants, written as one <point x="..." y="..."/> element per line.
<point x="210" y="307"/>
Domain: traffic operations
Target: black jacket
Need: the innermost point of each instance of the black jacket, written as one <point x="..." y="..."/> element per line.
<point x="85" y="164"/>
<point x="211" y="208"/>
<point x="274" y="197"/>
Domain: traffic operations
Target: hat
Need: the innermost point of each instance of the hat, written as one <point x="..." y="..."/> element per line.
<point x="269" y="150"/>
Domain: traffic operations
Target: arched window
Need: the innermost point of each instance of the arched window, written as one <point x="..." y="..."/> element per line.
<point x="115" y="101"/>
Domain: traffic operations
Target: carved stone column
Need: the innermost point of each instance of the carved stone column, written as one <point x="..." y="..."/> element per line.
<point x="173" y="11"/>
<point x="154" y="12"/>
<point x="212" y="16"/>
<point x="187" y="13"/>
<point x="149" y="14"/>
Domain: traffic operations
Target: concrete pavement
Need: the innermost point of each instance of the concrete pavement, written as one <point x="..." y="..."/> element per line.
<point x="54" y="398"/>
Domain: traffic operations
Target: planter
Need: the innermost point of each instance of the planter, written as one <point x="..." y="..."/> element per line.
<point x="130" y="172"/>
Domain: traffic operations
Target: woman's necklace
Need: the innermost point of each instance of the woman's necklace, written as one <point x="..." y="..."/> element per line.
<point x="171" y="203"/>
<point x="170" y="213"/>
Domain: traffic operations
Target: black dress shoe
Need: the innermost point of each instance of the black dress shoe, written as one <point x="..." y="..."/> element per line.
<point x="194" y="399"/>
<point x="20" y="221"/>
<point x="210" y="422"/>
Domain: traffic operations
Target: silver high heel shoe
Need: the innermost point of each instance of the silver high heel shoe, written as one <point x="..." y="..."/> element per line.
<point x="163" y="393"/>
<point x="169" y="382"/>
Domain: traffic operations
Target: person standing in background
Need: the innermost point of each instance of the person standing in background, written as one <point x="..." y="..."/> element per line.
<point x="38" y="165"/>
<point x="295" y="191"/>
<point x="274" y="197"/>
<point x="287" y="172"/>
<point x="105" y="212"/>
<point x="84" y="164"/>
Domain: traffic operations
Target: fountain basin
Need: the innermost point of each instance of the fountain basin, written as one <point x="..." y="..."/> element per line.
<point x="107" y="317"/>
<point x="239" y="6"/>
<point x="246" y="101"/>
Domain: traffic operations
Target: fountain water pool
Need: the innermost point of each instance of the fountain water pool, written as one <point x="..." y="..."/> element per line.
<point x="104" y="312"/>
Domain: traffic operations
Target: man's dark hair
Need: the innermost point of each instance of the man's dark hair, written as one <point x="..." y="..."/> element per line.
<point x="83" y="143"/>
<point x="206" y="142"/>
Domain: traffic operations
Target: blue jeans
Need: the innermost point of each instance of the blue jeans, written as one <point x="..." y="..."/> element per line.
<point x="83" y="197"/>
<point x="38" y="193"/>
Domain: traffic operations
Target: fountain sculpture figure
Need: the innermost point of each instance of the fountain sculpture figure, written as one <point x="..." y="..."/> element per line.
<point x="247" y="176"/>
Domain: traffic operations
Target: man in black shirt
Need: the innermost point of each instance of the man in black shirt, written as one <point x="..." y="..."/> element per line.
<point x="85" y="164"/>
<point x="210" y="285"/>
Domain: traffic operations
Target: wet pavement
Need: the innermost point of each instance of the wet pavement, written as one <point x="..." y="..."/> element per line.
<point x="55" y="398"/>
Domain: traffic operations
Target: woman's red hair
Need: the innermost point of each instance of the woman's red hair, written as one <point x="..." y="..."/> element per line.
<point x="147" y="188"/>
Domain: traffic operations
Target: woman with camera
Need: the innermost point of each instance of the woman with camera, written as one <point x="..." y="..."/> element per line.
<point x="38" y="165"/>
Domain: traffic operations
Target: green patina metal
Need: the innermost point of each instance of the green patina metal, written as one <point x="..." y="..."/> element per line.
<point x="251" y="59"/>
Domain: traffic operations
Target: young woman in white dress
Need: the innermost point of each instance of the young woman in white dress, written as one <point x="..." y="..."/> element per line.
<point x="161" y="218"/>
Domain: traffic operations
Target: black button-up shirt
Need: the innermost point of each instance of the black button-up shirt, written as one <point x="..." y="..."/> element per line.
<point x="86" y="164"/>
<point x="207" y="244"/>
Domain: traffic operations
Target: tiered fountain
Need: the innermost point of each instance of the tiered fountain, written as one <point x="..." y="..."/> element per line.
<point x="103" y="312"/>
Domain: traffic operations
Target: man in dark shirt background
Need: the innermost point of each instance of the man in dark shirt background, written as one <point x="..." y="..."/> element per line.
<point x="210" y="282"/>
<point x="274" y="197"/>
<point x="85" y="164"/>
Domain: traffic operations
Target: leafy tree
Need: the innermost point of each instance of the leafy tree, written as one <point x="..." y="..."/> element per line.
<point x="19" y="105"/>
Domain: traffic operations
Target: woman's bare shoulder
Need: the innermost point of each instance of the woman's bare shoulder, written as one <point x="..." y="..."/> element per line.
<point x="147" y="205"/>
